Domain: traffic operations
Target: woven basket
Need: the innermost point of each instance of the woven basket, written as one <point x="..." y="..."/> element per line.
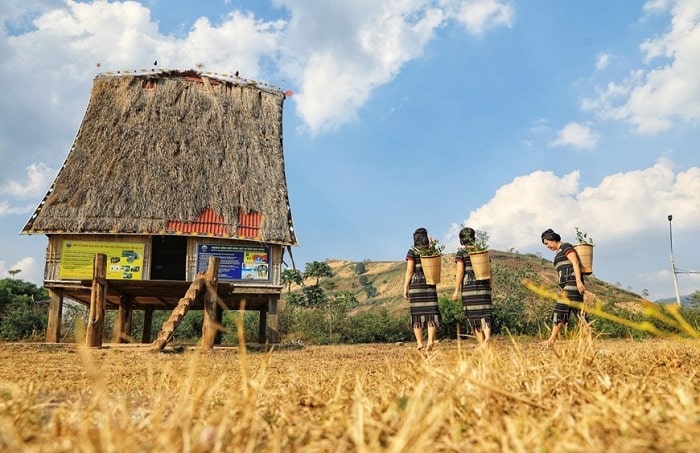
<point x="481" y="263"/>
<point x="585" y="256"/>
<point x="432" y="265"/>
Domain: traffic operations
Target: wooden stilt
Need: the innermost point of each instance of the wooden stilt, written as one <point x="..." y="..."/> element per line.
<point x="209" y="326"/>
<point x="53" y="327"/>
<point x="272" y="320"/>
<point x="262" y="326"/>
<point x="122" y="328"/>
<point x="96" y="317"/>
<point x="147" y="325"/>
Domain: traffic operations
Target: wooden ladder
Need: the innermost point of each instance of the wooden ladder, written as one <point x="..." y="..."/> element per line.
<point x="198" y="288"/>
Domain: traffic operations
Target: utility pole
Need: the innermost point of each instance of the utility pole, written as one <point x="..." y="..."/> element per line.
<point x="673" y="264"/>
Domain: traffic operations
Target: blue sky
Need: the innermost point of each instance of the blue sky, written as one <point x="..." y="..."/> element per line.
<point x="508" y="116"/>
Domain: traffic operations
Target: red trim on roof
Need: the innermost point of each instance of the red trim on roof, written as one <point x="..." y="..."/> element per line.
<point x="211" y="223"/>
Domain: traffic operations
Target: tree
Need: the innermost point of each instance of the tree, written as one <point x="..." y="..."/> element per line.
<point x="291" y="277"/>
<point x="338" y="309"/>
<point x="694" y="299"/>
<point x="370" y="290"/>
<point x="296" y="299"/>
<point x="360" y="268"/>
<point x="314" y="296"/>
<point x="318" y="270"/>
<point x="21" y="314"/>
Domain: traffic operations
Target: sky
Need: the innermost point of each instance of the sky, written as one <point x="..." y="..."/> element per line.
<point x="507" y="116"/>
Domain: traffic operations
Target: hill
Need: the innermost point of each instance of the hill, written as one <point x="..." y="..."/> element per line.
<point x="685" y="300"/>
<point x="509" y="269"/>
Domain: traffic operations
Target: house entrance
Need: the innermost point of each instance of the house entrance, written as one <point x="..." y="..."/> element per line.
<point x="169" y="258"/>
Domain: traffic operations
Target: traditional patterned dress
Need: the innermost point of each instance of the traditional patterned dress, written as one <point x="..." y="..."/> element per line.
<point x="476" y="295"/>
<point x="422" y="298"/>
<point x="567" y="282"/>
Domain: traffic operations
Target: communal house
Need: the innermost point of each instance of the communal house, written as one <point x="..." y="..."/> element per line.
<point x="169" y="172"/>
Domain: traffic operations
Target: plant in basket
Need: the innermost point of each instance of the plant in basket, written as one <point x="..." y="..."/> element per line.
<point x="479" y="255"/>
<point x="582" y="237"/>
<point x="433" y="248"/>
<point x="481" y="242"/>
<point x="584" y="249"/>
<point x="431" y="260"/>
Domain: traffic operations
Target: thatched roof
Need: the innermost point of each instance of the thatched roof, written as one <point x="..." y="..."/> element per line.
<point x="154" y="148"/>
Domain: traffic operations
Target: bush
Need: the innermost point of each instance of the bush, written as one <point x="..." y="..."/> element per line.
<point x="21" y="316"/>
<point x="377" y="326"/>
<point x="452" y="314"/>
<point x="306" y="324"/>
<point x="251" y="323"/>
<point x="23" y="322"/>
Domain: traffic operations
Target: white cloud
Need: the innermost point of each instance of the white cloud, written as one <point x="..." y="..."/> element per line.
<point x="602" y="61"/>
<point x="335" y="52"/>
<point x="39" y="178"/>
<point x="479" y="16"/>
<point x="519" y="209"/>
<point x="27" y="267"/>
<point x="578" y="135"/>
<point x="652" y="99"/>
<point x="53" y="52"/>
<point x="621" y="205"/>
<point x="240" y="43"/>
<point x="122" y="36"/>
<point x="338" y="53"/>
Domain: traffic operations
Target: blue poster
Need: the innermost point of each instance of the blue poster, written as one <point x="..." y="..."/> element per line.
<point x="236" y="262"/>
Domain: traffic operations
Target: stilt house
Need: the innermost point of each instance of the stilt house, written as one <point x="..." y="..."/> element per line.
<point x="170" y="169"/>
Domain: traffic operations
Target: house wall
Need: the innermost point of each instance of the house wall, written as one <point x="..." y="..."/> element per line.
<point x="55" y="246"/>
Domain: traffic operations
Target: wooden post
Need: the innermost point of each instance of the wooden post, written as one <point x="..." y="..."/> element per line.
<point x="53" y="327"/>
<point x="272" y="323"/>
<point x="262" y="326"/>
<point x="96" y="317"/>
<point x="122" y="328"/>
<point x="209" y="325"/>
<point x="147" y="325"/>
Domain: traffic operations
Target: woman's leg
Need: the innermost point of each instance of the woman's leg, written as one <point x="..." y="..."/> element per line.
<point x="486" y="329"/>
<point x="479" y="334"/>
<point x="555" y="333"/>
<point x="431" y="336"/>
<point x="418" y="332"/>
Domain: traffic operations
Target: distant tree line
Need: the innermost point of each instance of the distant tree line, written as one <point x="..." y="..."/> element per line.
<point x="323" y="315"/>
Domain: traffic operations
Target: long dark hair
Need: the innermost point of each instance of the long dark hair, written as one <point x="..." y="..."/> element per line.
<point x="420" y="237"/>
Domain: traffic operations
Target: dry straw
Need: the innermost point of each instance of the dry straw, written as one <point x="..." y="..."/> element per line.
<point x="585" y="394"/>
<point x="143" y="157"/>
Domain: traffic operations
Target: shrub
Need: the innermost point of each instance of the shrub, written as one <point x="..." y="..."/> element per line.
<point x="23" y="322"/>
<point x="251" y="323"/>
<point x="377" y="326"/>
<point x="452" y="314"/>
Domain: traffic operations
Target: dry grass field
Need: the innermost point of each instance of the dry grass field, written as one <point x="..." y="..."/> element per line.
<point x="583" y="395"/>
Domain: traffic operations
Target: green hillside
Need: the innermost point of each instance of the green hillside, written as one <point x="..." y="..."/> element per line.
<point x="509" y="269"/>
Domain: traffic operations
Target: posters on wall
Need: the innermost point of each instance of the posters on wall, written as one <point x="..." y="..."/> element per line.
<point x="124" y="260"/>
<point x="236" y="262"/>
